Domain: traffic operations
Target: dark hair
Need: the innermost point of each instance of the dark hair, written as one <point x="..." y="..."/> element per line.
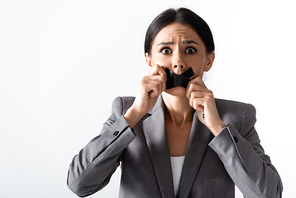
<point x="181" y="15"/>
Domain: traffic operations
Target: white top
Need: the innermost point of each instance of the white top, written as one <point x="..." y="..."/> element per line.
<point x="177" y="165"/>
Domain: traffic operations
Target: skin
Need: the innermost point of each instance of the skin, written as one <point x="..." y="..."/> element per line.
<point x="177" y="47"/>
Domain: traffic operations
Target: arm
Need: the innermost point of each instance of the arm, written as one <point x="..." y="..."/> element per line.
<point x="245" y="161"/>
<point x="92" y="168"/>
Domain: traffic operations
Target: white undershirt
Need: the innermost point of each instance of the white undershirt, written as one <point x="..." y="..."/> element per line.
<point x="177" y="165"/>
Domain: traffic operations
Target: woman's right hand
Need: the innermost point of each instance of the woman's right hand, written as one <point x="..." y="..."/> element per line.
<point x="151" y="87"/>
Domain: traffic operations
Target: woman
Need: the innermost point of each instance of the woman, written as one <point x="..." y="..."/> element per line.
<point x="181" y="141"/>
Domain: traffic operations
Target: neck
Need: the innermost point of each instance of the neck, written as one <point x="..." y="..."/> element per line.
<point x="178" y="110"/>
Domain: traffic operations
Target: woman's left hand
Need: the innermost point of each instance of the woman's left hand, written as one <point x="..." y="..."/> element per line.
<point x="203" y="101"/>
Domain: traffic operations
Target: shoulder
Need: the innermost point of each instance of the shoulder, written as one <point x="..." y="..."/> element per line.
<point x="122" y="104"/>
<point x="241" y="115"/>
<point x="233" y="106"/>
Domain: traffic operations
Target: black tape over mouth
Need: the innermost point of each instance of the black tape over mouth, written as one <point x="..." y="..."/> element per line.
<point x="174" y="80"/>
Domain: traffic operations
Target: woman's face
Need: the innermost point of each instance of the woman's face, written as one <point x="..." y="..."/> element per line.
<point x="179" y="44"/>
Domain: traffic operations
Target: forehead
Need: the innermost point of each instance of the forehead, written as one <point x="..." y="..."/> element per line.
<point x="175" y="31"/>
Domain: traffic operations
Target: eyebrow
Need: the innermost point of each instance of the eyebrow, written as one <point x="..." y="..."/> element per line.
<point x="166" y="43"/>
<point x="190" y="42"/>
<point x="183" y="42"/>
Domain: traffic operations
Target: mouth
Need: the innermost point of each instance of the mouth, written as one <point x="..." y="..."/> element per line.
<point x="174" y="80"/>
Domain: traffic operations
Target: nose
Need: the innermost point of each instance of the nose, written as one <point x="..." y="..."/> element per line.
<point x="178" y="65"/>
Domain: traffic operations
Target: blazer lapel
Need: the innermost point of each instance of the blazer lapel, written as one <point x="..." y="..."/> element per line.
<point x="155" y="134"/>
<point x="200" y="136"/>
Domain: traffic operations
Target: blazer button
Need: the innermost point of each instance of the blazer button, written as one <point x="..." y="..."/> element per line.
<point x="235" y="139"/>
<point x="115" y="133"/>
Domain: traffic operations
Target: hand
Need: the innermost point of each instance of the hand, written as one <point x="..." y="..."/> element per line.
<point x="151" y="87"/>
<point x="203" y="101"/>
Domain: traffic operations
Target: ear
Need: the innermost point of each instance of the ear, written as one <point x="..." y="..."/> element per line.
<point x="210" y="61"/>
<point x="148" y="60"/>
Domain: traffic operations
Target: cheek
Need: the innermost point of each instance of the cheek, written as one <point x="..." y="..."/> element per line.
<point x="197" y="72"/>
<point x="197" y="66"/>
<point x="161" y="60"/>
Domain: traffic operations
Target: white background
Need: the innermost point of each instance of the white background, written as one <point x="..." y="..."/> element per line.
<point x="63" y="62"/>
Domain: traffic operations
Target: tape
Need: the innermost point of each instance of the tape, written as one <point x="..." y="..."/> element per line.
<point x="174" y="80"/>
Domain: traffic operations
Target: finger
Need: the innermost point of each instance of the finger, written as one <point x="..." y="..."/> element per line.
<point x="153" y="85"/>
<point x="197" y="97"/>
<point x="161" y="80"/>
<point x="153" y="71"/>
<point x="198" y="104"/>
<point x="155" y="90"/>
<point x="151" y="90"/>
<point x="161" y="70"/>
<point x="163" y="77"/>
<point x="198" y="80"/>
<point x="158" y="70"/>
<point x="195" y="88"/>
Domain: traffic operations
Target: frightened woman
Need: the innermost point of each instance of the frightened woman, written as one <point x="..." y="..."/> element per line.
<point x="174" y="139"/>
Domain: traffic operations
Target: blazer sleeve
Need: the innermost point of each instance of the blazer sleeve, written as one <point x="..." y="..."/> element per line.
<point x="244" y="159"/>
<point x="92" y="168"/>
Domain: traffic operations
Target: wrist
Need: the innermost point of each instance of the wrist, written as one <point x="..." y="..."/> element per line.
<point x="132" y="116"/>
<point x="218" y="128"/>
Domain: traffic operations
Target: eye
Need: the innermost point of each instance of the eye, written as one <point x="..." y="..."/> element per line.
<point x="190" y="50"/>
<point x="166" y="51"/>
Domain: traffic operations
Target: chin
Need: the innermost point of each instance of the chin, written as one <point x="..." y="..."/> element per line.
<point x="176" y="91"/>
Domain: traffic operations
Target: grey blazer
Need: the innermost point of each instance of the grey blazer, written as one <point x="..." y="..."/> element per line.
<point x="212" y="166"/>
